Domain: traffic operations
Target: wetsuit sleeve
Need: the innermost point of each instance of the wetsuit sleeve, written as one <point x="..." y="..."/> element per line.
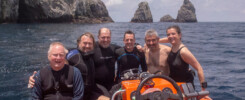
<point x="118" y="72"/>
<point x="78" y="88"/>
<point x="143" y="64"/>
<point x="142" y="61"/>
<point x="117" y="54"/>
<point x="37" y="90"/>
<point x="116" y="47"/>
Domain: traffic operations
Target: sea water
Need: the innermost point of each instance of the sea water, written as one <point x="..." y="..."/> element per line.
<point x="218" y="46"/>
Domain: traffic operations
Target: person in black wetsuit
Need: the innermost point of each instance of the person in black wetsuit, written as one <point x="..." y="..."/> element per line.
<point x="82" y="58"/>
<point x="104" y="58"/>
<point x="129" y="57"/>
<point x="58" y="81"/>
<point x="180" y="58"/>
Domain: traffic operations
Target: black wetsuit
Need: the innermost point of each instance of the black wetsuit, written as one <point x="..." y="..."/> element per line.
<point x="128" y="60"/>
<point x="84" y="62"/>
<point x="179" y="69"/>
<point x="105" y="59"/>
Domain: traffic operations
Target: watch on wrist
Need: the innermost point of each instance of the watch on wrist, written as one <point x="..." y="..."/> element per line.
<point x="204" y="84"/>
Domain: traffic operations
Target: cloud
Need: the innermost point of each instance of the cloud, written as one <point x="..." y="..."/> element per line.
<point x="170" y="3"/>
<point x="109" y="3"/>
<point x="149" y="1"/>
<point x="208" y="3"/>
<point x="243" y="11"/>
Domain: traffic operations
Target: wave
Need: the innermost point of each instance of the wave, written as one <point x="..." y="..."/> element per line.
<point x="224" y="96"/>
<point x="232" y="52"/>
<point x="238" y="71"/>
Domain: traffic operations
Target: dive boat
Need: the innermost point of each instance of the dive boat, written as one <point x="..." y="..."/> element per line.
<point x="146" y="86"/>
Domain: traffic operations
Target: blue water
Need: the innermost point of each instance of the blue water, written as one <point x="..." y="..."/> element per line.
<point x="219" y="47"/>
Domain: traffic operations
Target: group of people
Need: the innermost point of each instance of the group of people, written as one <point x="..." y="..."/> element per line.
<point x="94" y="75"/>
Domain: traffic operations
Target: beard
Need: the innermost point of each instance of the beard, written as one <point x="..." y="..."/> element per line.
<point x="105" y="45"/>
<point x="153" y="46"/>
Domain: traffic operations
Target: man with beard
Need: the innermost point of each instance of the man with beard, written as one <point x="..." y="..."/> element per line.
<point x="82" y="58"/>
<point x="156" y="54"/>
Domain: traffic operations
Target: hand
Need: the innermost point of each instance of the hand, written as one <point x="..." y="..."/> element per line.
<point x="145" y="46"/>
<point x="103" y="98"/>
<point x="31" y="80"/>
<point x="140" y="48"/>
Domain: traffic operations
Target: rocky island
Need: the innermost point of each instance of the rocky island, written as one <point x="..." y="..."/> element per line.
<point x="186" y="12"/>
<point x="142" y="14"/>
<point x="167" y="18"/>
<point x="54" y="11"/>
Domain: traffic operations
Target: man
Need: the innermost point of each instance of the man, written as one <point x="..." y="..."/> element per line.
<point x="129" y="57"/>
<point x="82" y="58"/>
<point x="156" y="54"/>
<point x="58" y="81"/>
<point x="104" y="58"/>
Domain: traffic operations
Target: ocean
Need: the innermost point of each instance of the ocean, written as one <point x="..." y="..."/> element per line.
<point x="218" y="46"/>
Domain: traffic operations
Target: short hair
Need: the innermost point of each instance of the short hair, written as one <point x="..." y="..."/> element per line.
<point x="99" y="32"/>
<point x="54" y="44"/>
<point x="176" y="27"/>
<point x="128" y="32"/>
<point x="151" y="32"/>
<point x="88" y="34"/>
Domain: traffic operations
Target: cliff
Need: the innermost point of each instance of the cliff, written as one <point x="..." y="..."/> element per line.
<point x="142" y="14"/>
<point x="9" y="10"/>
<point x="56" y="11"/>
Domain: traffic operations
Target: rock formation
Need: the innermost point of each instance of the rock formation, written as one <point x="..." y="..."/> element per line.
<point x="77" y="11"/>
<point x="142" y="14"/>
<point x="9" y="10"/>
<point x="46" y="10"/>
<point x="167" y="18"/>
<point x="92" y="11"/>
<point x="186" y="13"/>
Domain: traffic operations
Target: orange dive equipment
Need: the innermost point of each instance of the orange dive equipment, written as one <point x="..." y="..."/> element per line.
<point x="156" y="87"/>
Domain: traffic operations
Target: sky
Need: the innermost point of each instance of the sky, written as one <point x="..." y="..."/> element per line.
<point x="206" y="10"/>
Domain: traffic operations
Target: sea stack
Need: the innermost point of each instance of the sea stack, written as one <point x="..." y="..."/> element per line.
<point x="186" y="13"/>
<point x="167" y="18"/>
<point x="142" y="14"/>
<point x="54" y="11"/>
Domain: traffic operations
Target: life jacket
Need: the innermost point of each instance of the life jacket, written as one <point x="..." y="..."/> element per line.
<point x="57" y="85"/>
<point x="84" y="62"/>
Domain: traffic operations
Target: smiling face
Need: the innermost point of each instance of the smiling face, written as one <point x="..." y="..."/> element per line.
<point x="173" y="36"/>
<point x="104" y="37"/>
<point x="86" y="44"/>
<point x="152" y="41"/>
<point x="129" y="41"/>
<point x="56" y="57"/>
